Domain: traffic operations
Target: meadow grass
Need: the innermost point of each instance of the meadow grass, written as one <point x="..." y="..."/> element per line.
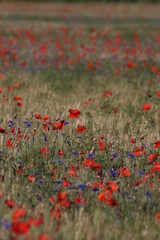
<point x="109" y="83"/>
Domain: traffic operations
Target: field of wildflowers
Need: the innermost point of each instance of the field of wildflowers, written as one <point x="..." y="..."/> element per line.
<point x="79" y="121"/>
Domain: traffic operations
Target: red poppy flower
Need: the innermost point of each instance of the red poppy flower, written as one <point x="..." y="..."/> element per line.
<point x="17" y="214"/>
<point x="87" y="102"/>
<point x="2" y="130"/>
<point x="20" y="104"/>
<point x="112" y="186"/>
<point x="90" y="163"/>
<point x="101" y="196"/>
<point x="81" y="152"/>
<point x="101" y="145"/>
<point x="96" y="166"/>
<point x="45" y="126"/>
<point x="138" y="151"/>
<point x="31" y="178"/>
<point x="20" y="227"/>
<point x="1" y="75"/>
<point x="44" y="151"/>
<point x="45" y="118"/>
<point x="146" y="107"/>
<point x="9" y="203"/>
<point x="132" y="140"/>
<point x="16" y="85"/>
<point x="44" y="237"/>
<point x="157" y="144"/>
<point x="150" y="83"/>
<point x="107" y="93"/>
<point x="158" y="217"/>
<point x="61" y="196"/>
<point x="36" y="222"/>
<point x="9" y="88"/>
<point x="4" y="99"/>
<point x="112" y="202"/>
<point x="17" y="98"/>
<point x="80" y="200"/>
<point x="81" y="129"/>
<point x="1" y="90"/>
<point x="20" y="170"/>
<point x="37" y="116"/>
<point x="74" y="113"/>
<point x="60" y="153"/>
<point x="154" y="69"/>
<point x="138" y="182"/>
<point x="10" y="143"/>
<point x="96" y="185"/>
<point x="117" y="71"/>
<point x="58" y="125"/>
<point x="156" y="167"/>
<point x="72" y="171"/>
<point x="130" y="63"/>
<point x="125" y="172"/>
<point x="152" y="157"/>
<point x="24" y="64"/>
<point x="115" y="110"/>
<point x="1" y="194"/>
<point x="57" y="214"/>
<point x="51" y="199"/>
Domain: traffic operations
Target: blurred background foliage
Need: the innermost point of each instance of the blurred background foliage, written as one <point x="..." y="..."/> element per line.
<point x="86" y="1"/>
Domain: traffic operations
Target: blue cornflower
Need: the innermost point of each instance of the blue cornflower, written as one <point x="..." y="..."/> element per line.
<point x="45" y="138"/>
<point x="7" y="225"/>
<point x="141" y="172"/>
<point x="11" y="123"/>
<point x="131" y="155"/>
<point x="81" y="186"/>
<point x="27" y="123"/>
<point x="113" y="173"/>
<point x="74" y="153"/>
<point x="95" y="189"/>
<point x="57" y="160"/>
<point x="36" y="174"/>
<point x="71" y="187"/>
<point x="128" y="197"/>
<point x="58" y="182"/>
<point x="114" y="155"/>
<point x="148" y="194"/>
<point x="90" y="155"/>
<point x="39" y="198"/>
<point x="80" y="206"/>
<point x="41" y="181"/>
<point x="66" y="123"/>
